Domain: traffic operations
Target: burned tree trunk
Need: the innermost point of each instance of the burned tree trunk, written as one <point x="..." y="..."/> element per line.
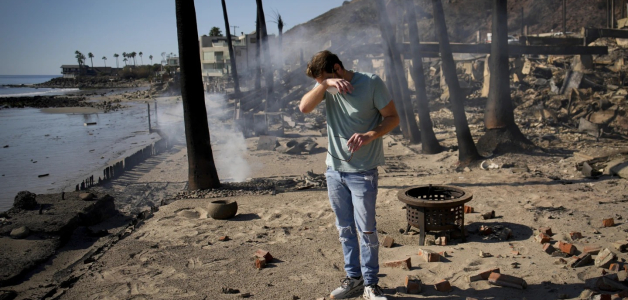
<point x="258" y="49"/>
<point x="429" y="143"/>
<point x="267" y="64"/>
<point x="232" y="58"/>
<point x="466" y="148"/>
<point x="396" y="70"/>
<point x="502" y="134"/>
<point x="202" y="172"/>
<point x="394" y="91"/>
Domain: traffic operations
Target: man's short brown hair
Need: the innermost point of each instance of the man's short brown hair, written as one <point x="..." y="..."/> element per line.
<point x="322" y="61"/>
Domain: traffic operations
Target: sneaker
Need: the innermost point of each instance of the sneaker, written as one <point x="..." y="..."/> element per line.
<point x="373" y="292"/>
<point x="347" y="287"/>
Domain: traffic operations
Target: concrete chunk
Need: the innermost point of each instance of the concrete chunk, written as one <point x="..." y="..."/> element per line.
<point x="429" y="256"/>
<point x="405" y="264"/>
<point x="413" y="284"/>
<point x="604" y="258"/>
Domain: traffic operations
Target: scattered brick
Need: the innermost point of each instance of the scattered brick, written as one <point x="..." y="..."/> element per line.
<point x="489" y="215"/>
<point x="388" y="242"/>
<point x="609" y="282"/>
<point x="483" y="275"/>
<point x="567" y="248"/>
<point x="485" y="254"/>
<point x="604" y="258"/>
<point x="548" y="248"/>
<point x="405" y="264"/>
<point x="608" y="222"/>
<point x="429" y="256"/>
<point x="223" y="238"/>
<point x="546" y="230"/>
<point x="260" y="262"/>
<point x="443" y="286"/>
<point x="507" y="280"/>
<point x="443" y="254"/>
<point x="413" y="284"/>
<point x="442" y="241"/>
<point x="575" y="235"/>
<point x="485" y="230"/>
<point x="264" y="254"/>
<point x="468" y="209"/>
<point x="592" y="249"/>
<point x="615" y="267"/>
<point x="621" y="246"/>
<point x="582" y="260"/>
<point x="542" y="238"/>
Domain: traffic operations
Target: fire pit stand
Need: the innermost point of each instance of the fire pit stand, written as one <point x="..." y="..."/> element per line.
<point x="435" y="207"/>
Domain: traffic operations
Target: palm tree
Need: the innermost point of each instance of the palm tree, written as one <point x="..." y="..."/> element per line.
<point x="116" y="55"/>
<point x="151" y="59"/>
<point x="91" y="56"/>
<point x="202" y="172"/>
<point x="234" y="70"/>
<point x="467" y="152"/>
<point x="132" y="55"/>
<point x="104" y="59"/>
<point x="125" y="55"/>
<point x="124" y="60"/>
<point x="141" y="57"/>
<point x="215" y="31"/>
<point x="502" y="133"/>
<point x="429" y="143"/>
<point x="79" y="57"/>
<point x="279" y="21"/>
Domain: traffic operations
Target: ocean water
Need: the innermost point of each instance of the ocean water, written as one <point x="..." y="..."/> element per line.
<point x="6" y="91"/>
<point x="34" y="143"/>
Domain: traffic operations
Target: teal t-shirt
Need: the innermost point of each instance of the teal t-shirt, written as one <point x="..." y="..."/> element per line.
<point x="356" y="112"/>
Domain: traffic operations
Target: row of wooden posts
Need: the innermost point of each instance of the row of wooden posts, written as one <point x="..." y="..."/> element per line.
<point x="117" y="169"/>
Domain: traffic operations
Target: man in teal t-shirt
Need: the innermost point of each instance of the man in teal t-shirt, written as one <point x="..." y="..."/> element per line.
<point x="359" y="112"/>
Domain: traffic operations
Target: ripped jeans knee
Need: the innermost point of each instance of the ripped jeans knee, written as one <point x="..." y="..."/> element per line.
<point x="369" y="238"/>
<point x="346" y="233"/>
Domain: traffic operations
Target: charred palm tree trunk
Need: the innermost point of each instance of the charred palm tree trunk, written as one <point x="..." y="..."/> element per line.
<point x="429" y="143"/>
<point x="396" y="70"/>
<point x="234" y="71"/>
<point x="258" y="49"/>
<point x="202" y="172"/>
<point x="502" y="133"/>
<point x="268" y="71"/>
<point x="467" y="152"/>
<point x="394" y="91"/>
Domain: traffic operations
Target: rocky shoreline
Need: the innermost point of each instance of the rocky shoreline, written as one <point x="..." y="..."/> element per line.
<point x="57" y="101"/>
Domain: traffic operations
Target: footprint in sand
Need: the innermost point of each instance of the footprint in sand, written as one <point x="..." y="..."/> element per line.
<point x="194" y="263"/>
<point x="192" y="213"/>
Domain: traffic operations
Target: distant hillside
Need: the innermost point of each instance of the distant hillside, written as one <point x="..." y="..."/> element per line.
<point x="355" y="22"/>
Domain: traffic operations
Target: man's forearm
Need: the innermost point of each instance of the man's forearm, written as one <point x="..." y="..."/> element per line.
<point x="311" y="99"/>
<point x="389" y="123"/>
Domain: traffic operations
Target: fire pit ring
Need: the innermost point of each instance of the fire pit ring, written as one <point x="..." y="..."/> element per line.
<point x="435" y="207"/>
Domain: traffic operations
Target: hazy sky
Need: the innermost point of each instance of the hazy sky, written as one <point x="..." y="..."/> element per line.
<point x="38" y="36"/>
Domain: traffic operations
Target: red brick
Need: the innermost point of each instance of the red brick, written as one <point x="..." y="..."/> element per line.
<point x="485" y="230"/>
<point x="483" y="275"/>
<point x="548" y="248"/>
<point x="413" y="284"/>
<point x="265" y="254"/>
<point x="575" y="235"/>
<point x="468" y="209"/>
<point x="429" y="256"/>
<point x="542" y="238"/>
<point x="608" y="222"/>
<point x="441" y="241"/>
<point x="260" y="262"/>
<point x="443" y="286"/>
<point x="546" y="230"/>
<point x="223" y="238"/>
<point x="592" y="249"/>
<point x="405" y="264"/>
<point x="567" y="247"/>
<point x="388" y="242"/>
<point x="614" y="268"/>
<point x="507" y="280"/>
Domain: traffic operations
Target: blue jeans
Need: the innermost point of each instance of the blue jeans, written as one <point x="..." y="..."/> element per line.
<point x="352" y="197"/>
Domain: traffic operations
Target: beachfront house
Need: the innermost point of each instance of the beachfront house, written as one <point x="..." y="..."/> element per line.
<point x="215" y="59"/>
<point x="71" y="71"/>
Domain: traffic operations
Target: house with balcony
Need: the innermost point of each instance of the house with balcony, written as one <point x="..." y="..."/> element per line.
<point x="215" y="59"/>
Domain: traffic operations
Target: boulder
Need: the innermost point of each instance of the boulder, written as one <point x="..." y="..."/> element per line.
<point x="20" y="232"/>
<point x="25" y="200"/>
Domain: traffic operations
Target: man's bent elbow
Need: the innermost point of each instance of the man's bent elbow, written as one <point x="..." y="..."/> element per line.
<point x="304" y="109"/>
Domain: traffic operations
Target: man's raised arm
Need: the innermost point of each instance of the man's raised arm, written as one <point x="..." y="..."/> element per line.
<point x="312" y="98"/>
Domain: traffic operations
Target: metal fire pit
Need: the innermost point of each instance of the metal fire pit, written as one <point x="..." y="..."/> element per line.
<point x="435" y="207"/>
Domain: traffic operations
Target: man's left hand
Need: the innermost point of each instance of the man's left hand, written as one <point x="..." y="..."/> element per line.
<point x="358" y="140"/>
